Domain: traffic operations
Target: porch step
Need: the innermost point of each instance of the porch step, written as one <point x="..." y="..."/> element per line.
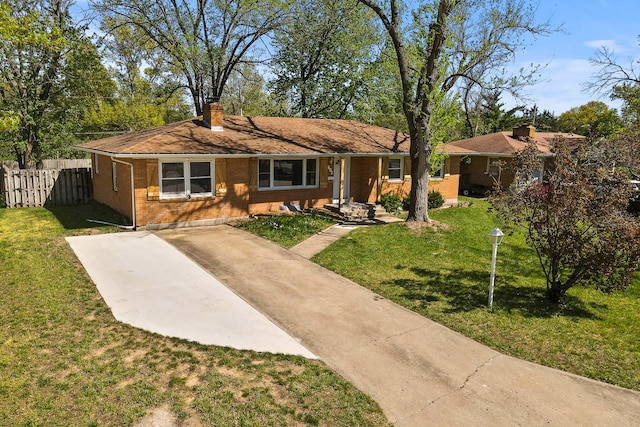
<point x="353" y="211"/>
<point x="361" y="213"/>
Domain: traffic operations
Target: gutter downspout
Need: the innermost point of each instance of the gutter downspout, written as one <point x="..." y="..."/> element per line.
<point x="133" y="194"/>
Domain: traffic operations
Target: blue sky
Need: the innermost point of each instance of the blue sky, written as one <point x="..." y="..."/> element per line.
<point x="587" y="25"/>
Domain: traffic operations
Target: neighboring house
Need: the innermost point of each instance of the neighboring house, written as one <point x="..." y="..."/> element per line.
<point x="215" y="168"/>
<point x="487" y="158"/>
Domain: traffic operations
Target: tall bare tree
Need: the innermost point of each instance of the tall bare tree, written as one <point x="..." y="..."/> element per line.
<point x="201" y="40"/>
<point x="612" y="72"/>
<point x="437" y="44"/>
<point x="618" y="78"/>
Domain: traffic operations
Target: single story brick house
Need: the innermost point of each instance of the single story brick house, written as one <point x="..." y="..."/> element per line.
<point x="480" y="157"/>
<point x="216" y="168"/>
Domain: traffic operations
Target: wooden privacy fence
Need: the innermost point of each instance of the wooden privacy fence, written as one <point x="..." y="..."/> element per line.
<point x="39" y="187"/>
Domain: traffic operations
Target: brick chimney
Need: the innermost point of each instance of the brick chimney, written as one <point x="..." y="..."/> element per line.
<point x="526" y="130"/>
<point x="213" y="114"/>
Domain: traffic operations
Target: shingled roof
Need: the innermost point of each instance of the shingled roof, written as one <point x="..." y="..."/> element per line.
<point x="504" y="143"/>
<point x="255" y="136"/>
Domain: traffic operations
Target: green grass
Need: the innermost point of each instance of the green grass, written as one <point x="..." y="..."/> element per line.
<point x="288" y="230"/>
<point x="64" y="360"/>
<point x="444" y="275"/>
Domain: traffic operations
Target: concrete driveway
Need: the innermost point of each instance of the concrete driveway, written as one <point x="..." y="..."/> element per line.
<point x="149" y="284"/>
<point x="420" y="372"/>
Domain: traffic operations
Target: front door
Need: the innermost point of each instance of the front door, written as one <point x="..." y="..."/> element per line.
<point x="345" y="177"/>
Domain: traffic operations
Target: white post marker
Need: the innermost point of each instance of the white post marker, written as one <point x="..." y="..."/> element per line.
<point x="496" y="235"/>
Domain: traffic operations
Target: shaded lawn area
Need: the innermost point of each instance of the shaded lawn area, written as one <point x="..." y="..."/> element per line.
<point x="66" y="361"/>
<point x="444" y="275"/>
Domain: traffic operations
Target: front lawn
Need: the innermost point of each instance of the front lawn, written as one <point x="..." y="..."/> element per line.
<point x="288" y="229"/>
<point x="443" y="274"/>
<point x="65" y="361"/>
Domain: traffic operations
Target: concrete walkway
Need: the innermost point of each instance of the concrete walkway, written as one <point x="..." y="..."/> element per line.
<point x="149" y="284"/>
<point x="321" y="240"/>
<point x="420" y="372"/>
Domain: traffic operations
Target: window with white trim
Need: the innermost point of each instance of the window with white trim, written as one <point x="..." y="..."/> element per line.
<point x="437" y="174"/>
<point x="287" y="173"/>
<point x="395" y="168"/>
<point x="186" y="179"/>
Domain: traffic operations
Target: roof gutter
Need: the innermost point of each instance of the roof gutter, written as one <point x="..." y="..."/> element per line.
<point x="133" y="194"/>
<point x="487" y="154"/>
<point x="227" y="155"/>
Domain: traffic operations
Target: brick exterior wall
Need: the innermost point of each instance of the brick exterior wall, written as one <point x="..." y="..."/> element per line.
<point x="474" y="176"/>
<point x="103" y="191"/>
<point x="153" y="210"/>
<point x="448" y="185"/>
<point x="365" y="183"/>
<point x="237" y="193"/>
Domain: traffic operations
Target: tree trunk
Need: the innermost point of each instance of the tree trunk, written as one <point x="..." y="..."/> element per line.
<point x="31" y="147"/>
<point x="554" y="293"/>
<point x="420" y="152"/>
<point x="417" y="95"/>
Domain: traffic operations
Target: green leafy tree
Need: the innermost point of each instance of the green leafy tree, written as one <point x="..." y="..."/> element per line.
<point x="494" y="117"/>
<point x="50" y="73"/>
<point x="446" y="42"/>
<point x="545" y="121"/>
<point x="246" y="93"/>
<point x="484" y="113"/>
<point x="142" y="96"/>
<point x="122" y="114"/>
<point x="594" y="120"/>
<point x="323" y="53"/>
<point x="382" y="103"/>
<point x="576" y="220"/>
<point x="199" y="42"/>
<point x="629" y="94"/>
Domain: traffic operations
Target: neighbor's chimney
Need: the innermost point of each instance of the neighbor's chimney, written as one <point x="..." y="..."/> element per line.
<point x="526" y="130"/>
<point x="213" y="114"/>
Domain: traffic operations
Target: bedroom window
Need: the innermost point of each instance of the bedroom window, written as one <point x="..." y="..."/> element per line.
<point x="437" y="174"/>
<point x="395" y="169"/>
<point x="287" y="173"/>
<point x="184" y="179"/>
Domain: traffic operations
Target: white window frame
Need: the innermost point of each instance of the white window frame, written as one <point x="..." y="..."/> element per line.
<point x="400" y="168"/>
<point x="186" y="165"/>
<point x="304" y="160"/>
<point x="114" y="175"/>
<point x="96" y="164"/>
<point x="439" y="174"/>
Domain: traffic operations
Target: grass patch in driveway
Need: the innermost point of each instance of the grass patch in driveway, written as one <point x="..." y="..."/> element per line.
<point x="66" y="361"/>
<point x="443" y="274"/>
<point x="288" y="229"/>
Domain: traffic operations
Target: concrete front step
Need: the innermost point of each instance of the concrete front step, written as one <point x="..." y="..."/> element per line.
<point x="355" y="212"/>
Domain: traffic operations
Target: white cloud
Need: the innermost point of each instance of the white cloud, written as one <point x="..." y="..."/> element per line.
<point x="610" y="44"/>
<point x="561" y="87"/>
